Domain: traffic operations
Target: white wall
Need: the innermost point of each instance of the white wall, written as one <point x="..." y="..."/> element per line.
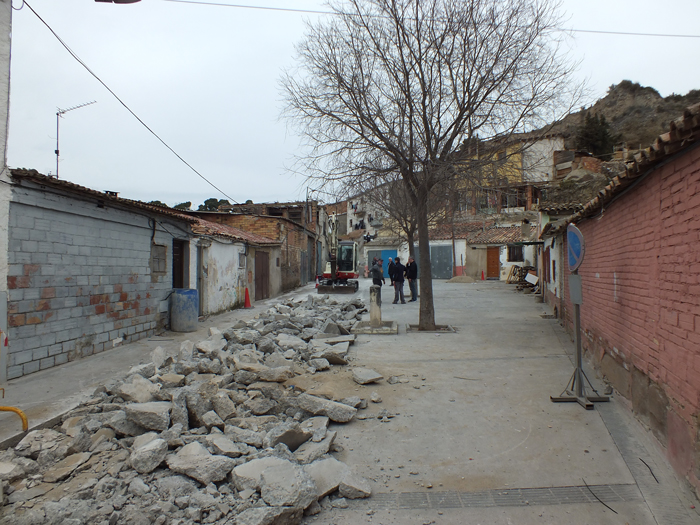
<point x="538" y="159"/>
<point x="223" y="282"/>
<point x="528" y="260"/>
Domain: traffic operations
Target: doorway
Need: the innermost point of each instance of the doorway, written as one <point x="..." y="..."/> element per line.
<point x="262" y="275"/>
<point x="493" y="262"/>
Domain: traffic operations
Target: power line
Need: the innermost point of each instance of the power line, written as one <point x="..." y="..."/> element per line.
<point x="72" y="53"/>
<point x="319" y="12"/>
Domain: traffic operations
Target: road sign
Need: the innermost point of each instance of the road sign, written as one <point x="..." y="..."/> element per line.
<point x="574" y="240"/>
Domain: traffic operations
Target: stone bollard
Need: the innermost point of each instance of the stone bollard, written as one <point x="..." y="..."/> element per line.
<point x="375" y="306"/>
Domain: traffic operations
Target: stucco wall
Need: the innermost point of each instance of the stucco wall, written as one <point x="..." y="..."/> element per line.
<point x="538" y="159"/>
<point x="641" y="304"/>
<point x="80" y="278"/>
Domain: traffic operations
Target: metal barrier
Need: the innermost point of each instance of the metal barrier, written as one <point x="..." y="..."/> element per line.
<point x="25" y="423"/>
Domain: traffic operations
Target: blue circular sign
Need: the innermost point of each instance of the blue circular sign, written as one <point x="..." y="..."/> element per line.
<point x="576" y="247"/>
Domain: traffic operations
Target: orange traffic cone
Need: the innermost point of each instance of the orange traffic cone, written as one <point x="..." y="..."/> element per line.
<point x="317" y="281"/>
<point x="482" y="275"/>
<point x="247" y="299"/>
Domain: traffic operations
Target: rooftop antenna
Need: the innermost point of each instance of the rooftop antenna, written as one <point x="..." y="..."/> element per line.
<point x="59" y="114"/>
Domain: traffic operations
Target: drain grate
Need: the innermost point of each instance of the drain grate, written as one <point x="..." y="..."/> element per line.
<point x="506" y="498"/>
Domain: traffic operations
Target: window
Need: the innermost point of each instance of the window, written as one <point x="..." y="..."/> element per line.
<point x="241" y="260"/>
<point x="159" y="263"/>
<point x="515" y="253"/>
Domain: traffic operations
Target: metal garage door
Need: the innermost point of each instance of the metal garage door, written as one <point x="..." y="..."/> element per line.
<point x="441" y="262"/>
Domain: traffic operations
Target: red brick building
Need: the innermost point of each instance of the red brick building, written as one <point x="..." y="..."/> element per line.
<point x="640" y="315"/>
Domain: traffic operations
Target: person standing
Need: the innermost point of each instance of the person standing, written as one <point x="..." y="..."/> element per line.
<point x="391" y="268"/>
<point x="399" y="271"/>
<point x="412" y="275"/>
<point x="378" y="276"/>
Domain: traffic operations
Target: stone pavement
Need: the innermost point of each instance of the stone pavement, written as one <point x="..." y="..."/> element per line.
<point x="471" y="435"/>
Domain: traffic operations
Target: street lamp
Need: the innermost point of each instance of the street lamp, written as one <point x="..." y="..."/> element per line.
<point x="59" y="114"/>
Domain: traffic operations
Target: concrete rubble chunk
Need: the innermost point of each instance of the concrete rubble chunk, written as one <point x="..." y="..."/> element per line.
<point x="65" y="467"/>
<point x="318" y="426"/>
<point x="287" y="485"/>
<point x="329" y="327"/>
<point x="247" y="475"/>
<point x="212" y="346"/>
<point x="334" y="339"/>
<point x="260" y="405"/>
<point x="140" y="390"/>
<point x="320" y="363"/>
<point x="211" y="419"/>
<point x="337" y="412"/>
<point x="365" y="376"/>
<point x="147" y="457"/>
<point x="242" y="435"/>
<point x="146" y="370"/>
<point x="37" y="440"/>
<point x="354" y="487"/>
<point x="152" y="416"/>
<point x="121" y="425"/>
<point x="327" y="474"/>
<point x="223" y="405"/>
<point x="290" y="433"/>
<point x="195" y="461"/>
<point x="223" y="446"/>
<point x="287" y="341"/>
<point x="186" y="350"/>
<point x="312" y="450"/>
<point x="276" y="375"/>
<point x="171" y="380"/>
<point x="10" y="471"/>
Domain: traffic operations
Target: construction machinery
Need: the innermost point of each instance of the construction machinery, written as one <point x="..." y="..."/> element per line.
<point x="340" y="275"/>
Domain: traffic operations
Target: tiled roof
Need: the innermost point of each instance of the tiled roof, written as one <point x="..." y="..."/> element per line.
<point x="497" y="235"/>
<point x="203" y="227"/>
<point x="463" y="230"/>
<point x="683" y="132"/>
<point x="76" y="188"/>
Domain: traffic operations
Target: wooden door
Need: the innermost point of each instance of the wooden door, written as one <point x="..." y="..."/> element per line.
<point x="493" y="262"/>
<point x="262" y="275"/>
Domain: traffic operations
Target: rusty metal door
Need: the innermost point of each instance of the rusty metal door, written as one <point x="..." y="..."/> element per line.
<point x="262" y="275"/>
<point x="493" y="262"/>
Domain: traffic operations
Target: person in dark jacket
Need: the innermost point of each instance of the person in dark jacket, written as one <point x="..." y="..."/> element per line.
<point x="390" y="269"/>
<point x="399" y="271"/>
<point x="378" y="276"/>
<point x="412" y="275"/>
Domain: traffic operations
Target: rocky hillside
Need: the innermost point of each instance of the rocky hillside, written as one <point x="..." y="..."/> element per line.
<point x="636" y="114"/>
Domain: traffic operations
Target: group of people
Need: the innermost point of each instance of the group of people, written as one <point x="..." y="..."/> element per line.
<point x="398" y="273"/>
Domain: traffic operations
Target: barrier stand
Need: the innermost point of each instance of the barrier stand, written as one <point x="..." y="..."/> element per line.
<point x="25" y="423"/>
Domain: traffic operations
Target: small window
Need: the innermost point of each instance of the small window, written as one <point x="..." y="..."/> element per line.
<point x="241" y="260"/>
<point x="554" y="271"/>
<point x="515" y="253"/>
<point x="159" y="263"/>
<point x="278" y="262"/>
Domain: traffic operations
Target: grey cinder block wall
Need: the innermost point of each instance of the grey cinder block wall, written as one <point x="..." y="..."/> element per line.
<point x="84" y="275"/>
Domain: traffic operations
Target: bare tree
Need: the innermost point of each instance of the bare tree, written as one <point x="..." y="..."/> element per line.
<point x="405" y="82"/>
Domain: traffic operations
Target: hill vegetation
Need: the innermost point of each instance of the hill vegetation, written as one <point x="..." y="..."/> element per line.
<point x="635" y="114"/>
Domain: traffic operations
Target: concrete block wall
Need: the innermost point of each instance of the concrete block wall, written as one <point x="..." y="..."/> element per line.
<point x="79" y="279"/>
<point x="641" y="304"/>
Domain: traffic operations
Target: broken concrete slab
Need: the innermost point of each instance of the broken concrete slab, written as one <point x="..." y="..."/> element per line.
<point x="147" y="457"/>
<point x="327" y="474"/>
<point x="287" y="485"/>
<point x="337" y="412"/>
<point x="354" y="487"/>
<point x="195" y="461"/>
<point x="365" y="376"/>
<point x="65" y="467"/>
<point x="247" y="476"/>
<point x="311" y="450"/>
<point x="154" y="415"/>
<point x="223" y="446"/>
<point x="290" y="433"/>
<point x="139" y="390"/>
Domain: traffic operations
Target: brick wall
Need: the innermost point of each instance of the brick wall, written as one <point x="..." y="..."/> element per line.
<point x="79" y="278"/>
<point x="641" y="304"/>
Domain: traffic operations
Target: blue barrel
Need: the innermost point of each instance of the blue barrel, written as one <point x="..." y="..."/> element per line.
<point x="184" y="310"/>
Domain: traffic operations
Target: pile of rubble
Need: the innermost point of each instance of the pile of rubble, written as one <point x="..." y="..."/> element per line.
<point x="205" y="433"/>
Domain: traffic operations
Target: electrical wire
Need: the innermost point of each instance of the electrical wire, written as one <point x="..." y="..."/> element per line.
<point x="319" y="12"/>
<point x="72" y="53"/>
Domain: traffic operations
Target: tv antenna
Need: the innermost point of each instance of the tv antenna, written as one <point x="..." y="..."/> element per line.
<point x="59" y="114"/>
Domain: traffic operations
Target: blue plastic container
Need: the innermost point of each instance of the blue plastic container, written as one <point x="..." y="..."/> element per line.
<point x="184" y="310"/>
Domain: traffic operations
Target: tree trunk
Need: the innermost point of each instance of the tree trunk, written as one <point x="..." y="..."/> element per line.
<point x="426" y="320"/>
<point x="410" y="240"/>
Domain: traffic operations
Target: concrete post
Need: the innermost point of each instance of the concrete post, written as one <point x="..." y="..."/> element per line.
<point x="5" y="194"/>
<point x="375" y="306"/>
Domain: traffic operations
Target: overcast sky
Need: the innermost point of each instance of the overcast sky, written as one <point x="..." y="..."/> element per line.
<point x="205" y="79"/>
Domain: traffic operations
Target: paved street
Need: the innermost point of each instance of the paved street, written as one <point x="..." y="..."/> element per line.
<point x="474" y="437"/>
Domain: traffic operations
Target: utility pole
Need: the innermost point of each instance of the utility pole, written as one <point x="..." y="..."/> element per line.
<point x="59" y="114"/>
